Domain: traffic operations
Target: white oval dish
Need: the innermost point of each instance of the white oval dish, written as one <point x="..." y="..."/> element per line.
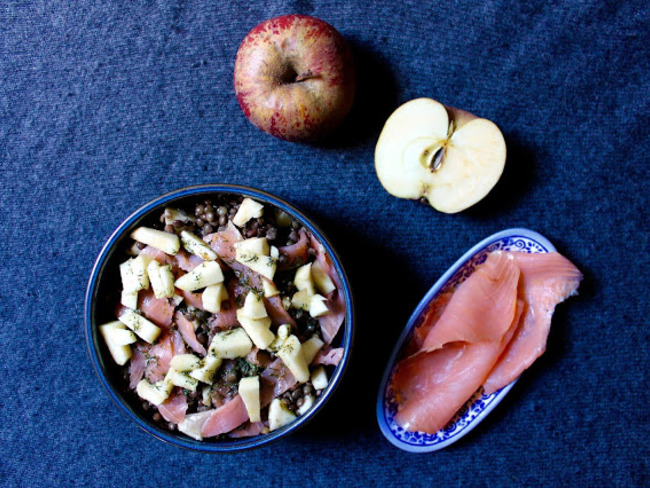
<point x="480" y="405"/>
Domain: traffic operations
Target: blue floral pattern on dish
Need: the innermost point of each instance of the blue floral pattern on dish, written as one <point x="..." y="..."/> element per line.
<point x="480" y="404"/>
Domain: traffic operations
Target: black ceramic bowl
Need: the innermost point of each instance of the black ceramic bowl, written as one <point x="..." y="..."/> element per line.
<point x="102" y="296"/>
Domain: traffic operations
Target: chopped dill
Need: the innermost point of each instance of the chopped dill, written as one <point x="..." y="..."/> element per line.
<point x="246" y="368"/>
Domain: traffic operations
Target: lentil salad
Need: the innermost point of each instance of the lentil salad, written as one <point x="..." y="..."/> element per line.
<point x="290" y="248"/>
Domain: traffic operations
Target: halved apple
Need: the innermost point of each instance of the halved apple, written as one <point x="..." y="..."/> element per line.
<point x="445" y="155"/>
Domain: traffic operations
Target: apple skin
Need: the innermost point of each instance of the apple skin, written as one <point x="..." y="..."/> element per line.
<point x="294" y="77"/>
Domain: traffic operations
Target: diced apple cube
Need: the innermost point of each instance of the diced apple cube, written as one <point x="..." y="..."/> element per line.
<point x="319" y="378"/>
<point x="161" y="240"/>
<point x="193" y="424"/>
<point x="254" y="306"/>
<point x="196" y="246"/>
<point x="120" y="353"/>
<point x="282" y="218"/>
<point x="205" y="274"/>
<point x="167" y="279"/>
<point x="292" y="356"/>
<point x="279" y="415"/>
<point x="249" y="390"/>
<point x="317" y="306"/>
<point x="129" y="299"/>
<point x="249" y="209"/>
<point x="205" y="373"/>
<point x="181" y="379"/>
<point x="303" y="279"/>
<point x="301" y="300"/>
<point x="283" y="332"/>
<point x="117" y="333"/>
<point x="154" y="393"/>
<point x="173" y="214"/>
<point x="213" y="296"/>
<point x="257" y="329"/>
<point x="256" y="245"/>
<point x="134" y="274"/>
<point x="159" y="279"/>
<point x="153" y="271"/>
<point x="122" y="337"/>
<point x="206" y="397"/>
<point x="311" y="347"/>
<point x="321" y="279"/>
<point x="230" y="344"/>
<point x="270" y="290"/>
<point x="308" y="401"/>
<point x="141" y="326"/>
<point x="261" y="264"/>
<point x="275" y="252"/>
<point x="177" y="299"/>
<point x="185" y="362"/>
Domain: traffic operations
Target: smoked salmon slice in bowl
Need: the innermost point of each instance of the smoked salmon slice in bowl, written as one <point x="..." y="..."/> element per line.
<point x="470" y="338"/>
<point x="219" y="318"/>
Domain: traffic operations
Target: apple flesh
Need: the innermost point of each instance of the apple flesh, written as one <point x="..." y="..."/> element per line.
<point x="294" y="77"/>
<point x="444" y="155"/>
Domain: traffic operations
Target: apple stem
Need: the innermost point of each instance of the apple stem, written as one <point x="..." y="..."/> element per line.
<point x="306" y="75"/>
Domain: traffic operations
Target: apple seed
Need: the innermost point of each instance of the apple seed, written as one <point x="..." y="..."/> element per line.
<point x="433" y="160"/>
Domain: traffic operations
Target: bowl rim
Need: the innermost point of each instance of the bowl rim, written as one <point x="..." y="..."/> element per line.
<point x="512" y="233"/>
<point x="183" y="441"/>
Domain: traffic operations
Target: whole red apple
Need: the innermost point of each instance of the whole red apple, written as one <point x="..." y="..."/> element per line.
<point x="295" y="77"/>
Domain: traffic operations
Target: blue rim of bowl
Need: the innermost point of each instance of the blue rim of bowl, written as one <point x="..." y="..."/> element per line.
<point x="496" y="397"/>
<point x="186" y="442"/>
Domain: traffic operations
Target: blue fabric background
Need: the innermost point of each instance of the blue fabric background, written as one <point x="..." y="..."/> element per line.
<point x="105" y="105"/>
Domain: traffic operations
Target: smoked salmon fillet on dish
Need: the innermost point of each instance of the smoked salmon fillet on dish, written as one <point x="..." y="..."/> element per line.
<point x="482" y="335"/>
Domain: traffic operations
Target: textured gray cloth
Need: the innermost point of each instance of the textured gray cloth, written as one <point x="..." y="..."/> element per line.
<point x="104" y="106"/>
